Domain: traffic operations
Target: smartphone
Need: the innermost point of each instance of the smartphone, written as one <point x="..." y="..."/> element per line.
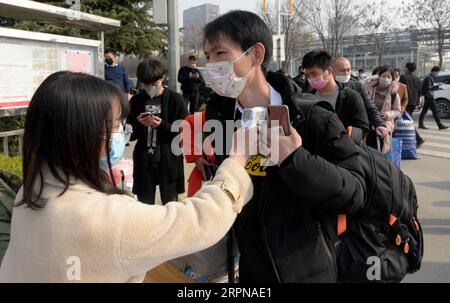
<point x="280" y="113"/>
<point x="145" y="115"/>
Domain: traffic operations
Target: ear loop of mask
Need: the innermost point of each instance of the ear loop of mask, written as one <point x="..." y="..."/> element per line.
<point x="235" y="60"/>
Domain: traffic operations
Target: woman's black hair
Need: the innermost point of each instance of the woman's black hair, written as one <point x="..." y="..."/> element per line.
<point x="386" y="68"/>
<point x="68" y="121"/>
<point x="150" y="71"/>
<point x="376" y="71"/>
<point x="244" y="28"/>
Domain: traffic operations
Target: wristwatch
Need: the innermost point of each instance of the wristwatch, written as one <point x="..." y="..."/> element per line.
<point x="232" y="192"/>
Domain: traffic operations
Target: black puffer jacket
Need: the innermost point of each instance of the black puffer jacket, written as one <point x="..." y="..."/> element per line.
<point x="372" y="111"/>
<point x="281" y="231"/>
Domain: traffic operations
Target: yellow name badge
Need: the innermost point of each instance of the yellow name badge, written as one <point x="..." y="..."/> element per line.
<point x="255" y="168"/>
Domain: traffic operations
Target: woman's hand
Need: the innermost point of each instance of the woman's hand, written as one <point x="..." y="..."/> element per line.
<point x="245" y="144"/>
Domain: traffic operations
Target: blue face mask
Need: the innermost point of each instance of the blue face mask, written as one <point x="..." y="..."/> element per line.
<point x="116" y="151"/>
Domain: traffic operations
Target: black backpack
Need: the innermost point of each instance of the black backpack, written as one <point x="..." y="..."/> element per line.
<point x="384" y="240"/>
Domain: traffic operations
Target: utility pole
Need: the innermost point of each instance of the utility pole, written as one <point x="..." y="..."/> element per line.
<point x="174" y="43"/>
<point x="279" y="16"/>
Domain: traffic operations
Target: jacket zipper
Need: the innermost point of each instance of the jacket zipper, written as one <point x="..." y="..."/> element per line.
<point x="266" y="240"/>
<point x="374" y="180"/>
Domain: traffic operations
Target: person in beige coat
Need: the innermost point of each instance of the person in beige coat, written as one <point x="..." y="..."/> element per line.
<point x="71" y="223"/>
<point x="383" y="91"/>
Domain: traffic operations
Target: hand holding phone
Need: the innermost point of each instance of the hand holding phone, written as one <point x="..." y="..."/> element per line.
<point x="280" y="113"/>
<point x="145" y="115"/>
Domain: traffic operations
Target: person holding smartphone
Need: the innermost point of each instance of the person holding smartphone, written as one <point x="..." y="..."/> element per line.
<point x="428" y="88"/>
<point x="152" y="112"/>
<point x="191" y="80"/>
<point x="283" y="233"/>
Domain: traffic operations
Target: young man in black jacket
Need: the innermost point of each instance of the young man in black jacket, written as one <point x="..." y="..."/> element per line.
<point x="191" y="79"/>
<point x="428" y="88"/>
<point x="152" y="112"/>
<point x="284" y="233"/>
<point x="347" y="103"/>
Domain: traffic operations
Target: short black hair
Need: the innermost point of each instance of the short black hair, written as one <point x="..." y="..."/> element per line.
<point x="411" y="66"/>
<point x="150" y="70"/>
<point x="320" y="59"/>
<point x="244" y="28"/>
<point x="192" y="58"/>
<point x="435" y="69"/>
<point x="110" y="50"/>
<point x="361" y="70"/>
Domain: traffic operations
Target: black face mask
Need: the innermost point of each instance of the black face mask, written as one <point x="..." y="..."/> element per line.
<point x="109" y="61"/>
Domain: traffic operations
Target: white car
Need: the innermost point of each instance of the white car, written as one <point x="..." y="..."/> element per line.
<point x="442" y="97"/>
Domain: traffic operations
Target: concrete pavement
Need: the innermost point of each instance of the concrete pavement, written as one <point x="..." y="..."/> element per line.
<point x="431" y="176"/>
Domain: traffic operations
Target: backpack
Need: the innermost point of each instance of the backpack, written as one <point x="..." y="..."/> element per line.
<point x="383" y="241"/>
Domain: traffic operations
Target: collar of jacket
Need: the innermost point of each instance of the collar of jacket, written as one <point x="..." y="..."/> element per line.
<point x="53" y="187"/>
<point x="342" y="93"/>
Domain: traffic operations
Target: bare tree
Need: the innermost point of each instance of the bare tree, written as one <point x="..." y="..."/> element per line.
<point x="293" y="27"/>
<point x="193" y="39"/>
<point x="377" y="26"/>
<point x="331" y="20"/>
<point x="430" y="13"/>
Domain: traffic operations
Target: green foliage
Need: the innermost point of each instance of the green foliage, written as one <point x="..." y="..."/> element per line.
<point x="9" y="124"/>
<point x="12" y="165"/>
<point x="137" y="34"/>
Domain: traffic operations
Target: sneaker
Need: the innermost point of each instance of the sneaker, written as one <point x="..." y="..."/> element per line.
<point x="442" y="126"/>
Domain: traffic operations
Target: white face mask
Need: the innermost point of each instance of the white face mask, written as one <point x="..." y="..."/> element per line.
<point x="223" y="80"/>
<point x="343" y="78"/>
<point x="194" y="65"/>
<point x="152" y="90"/>
<point x="385" y="82"/>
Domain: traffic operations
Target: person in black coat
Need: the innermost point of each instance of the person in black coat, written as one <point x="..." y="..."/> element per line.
<point x="283" y="233"/>
<point x="191" y="80"/>
<point x="152" y="112"/>
<point x="301" y="81"/>
<point x="428" y="88"/>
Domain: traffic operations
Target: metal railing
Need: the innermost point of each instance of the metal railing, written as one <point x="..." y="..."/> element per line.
<point x="6" y="135"/>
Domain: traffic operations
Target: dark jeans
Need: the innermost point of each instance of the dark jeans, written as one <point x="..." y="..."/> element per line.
<point x="410" y="110"/>
<point x="429" y="104"/>
<point x="168" y="192"/>
<point x="192" y="99"/>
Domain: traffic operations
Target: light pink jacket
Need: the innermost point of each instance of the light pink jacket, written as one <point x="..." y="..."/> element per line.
<point x="390" y="109"/>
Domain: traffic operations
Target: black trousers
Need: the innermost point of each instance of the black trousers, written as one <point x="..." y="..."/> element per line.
<point x="410" y="110"/>
<point x="167" y="191"/>
<point x="192" y="99"/>
<point x="429" y="104"/>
